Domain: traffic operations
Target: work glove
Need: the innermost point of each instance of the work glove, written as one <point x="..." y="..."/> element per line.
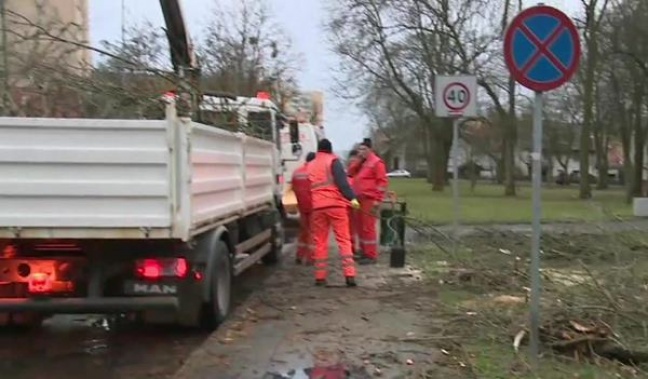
<point x="355" y="204"/>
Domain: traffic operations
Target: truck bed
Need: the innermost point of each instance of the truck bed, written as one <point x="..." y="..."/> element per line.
<point x="89" y="178"/>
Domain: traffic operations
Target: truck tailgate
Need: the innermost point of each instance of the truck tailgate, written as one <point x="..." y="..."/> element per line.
<point x="84" y="173"/>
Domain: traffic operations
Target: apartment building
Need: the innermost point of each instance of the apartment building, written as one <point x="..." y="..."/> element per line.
<point x="43" y="33"/>
<point x="308" y="105"/>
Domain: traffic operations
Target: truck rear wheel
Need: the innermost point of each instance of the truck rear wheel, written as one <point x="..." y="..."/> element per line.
<point x="27" y="320"/>
<point x="218" y="308"/>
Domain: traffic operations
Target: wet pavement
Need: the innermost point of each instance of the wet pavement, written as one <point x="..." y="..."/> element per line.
<point x="73" y="346"/>
<point x="291" y="329"/>
<point x="91" y="347"/>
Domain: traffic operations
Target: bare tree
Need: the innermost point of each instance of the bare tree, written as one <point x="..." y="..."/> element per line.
<point x="594" y="12"/>
<point x="622" y="85"/>
<point x="245" y="51"/>
<point x="402" y="46"/>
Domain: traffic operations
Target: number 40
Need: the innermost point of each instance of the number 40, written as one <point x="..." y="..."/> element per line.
<point x="457" y="95"/>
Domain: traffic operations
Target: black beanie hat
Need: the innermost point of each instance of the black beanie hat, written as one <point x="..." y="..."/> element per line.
<point x="325" y="146"/>
<point x="310" y="156"/>
<point x="366" y="142"/>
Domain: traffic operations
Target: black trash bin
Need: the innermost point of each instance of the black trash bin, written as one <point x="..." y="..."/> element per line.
<point x="392" y="230"/>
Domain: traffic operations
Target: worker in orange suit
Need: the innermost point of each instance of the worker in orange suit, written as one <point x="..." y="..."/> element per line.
<point x="301" y="187"/>
<point x="370" y="184"/>
<point x="352" y="164"/>
<point x="331" y="195"/>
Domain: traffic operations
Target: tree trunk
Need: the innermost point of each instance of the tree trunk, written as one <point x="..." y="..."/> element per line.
<point x="601" y="159"/>
<point x="637" y="175"/>
<point x="509" y="168"/>
<point x="509" y="142"/>
<point x="499" y="177"/>
<point x="429" y="151"/>
<point x="440" y="156"/>
<point x="639" y="143"/>
<point x="473" y="172"/>
<point x="588" y="117"/>
<point x="627" y="163"/>
<point x="550" y="167"/>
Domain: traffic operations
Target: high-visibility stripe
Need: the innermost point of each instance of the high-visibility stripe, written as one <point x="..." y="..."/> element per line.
<point x="300" y="176"/>
<point x="369" y="242"/>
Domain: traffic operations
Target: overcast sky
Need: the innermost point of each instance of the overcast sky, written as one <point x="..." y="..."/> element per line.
<point x="301" y="19"/>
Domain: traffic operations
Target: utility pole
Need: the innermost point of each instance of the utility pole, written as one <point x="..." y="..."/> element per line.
<point x="123" y="22"/>
<point x="5" y="59"/>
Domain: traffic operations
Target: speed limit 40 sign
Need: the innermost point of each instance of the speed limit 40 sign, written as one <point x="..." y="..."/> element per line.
<point x="456" y="96"/>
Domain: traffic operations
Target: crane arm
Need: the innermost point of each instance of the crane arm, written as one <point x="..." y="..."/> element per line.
<point x="182" y="54"/>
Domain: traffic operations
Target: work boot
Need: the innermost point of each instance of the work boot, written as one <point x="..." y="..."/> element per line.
<point x="320" y="282"/>
<point x="351" y="282"/>
<point x="298" y="261"/>
<point x="358" y="255"/>
<point x="367" y="261"/>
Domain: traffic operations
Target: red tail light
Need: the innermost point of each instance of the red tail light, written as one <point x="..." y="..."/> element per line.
<point x="40" y="282"/>
<point x="162" y="268"/>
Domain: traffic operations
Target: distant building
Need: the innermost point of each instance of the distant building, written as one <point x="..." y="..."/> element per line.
<point x="308" y="105"/>
<point x="43" y="34"/>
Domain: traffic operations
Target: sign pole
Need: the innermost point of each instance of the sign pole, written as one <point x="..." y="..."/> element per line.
<point x="542" y="51"/>
<point x="455" y="181"/>
<point x="455" y="97"/>
<point x="536" y="156"/>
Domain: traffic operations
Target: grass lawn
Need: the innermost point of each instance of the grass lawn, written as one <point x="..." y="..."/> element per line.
<point x="487" y="204"/>
<point x="590" y="279"/>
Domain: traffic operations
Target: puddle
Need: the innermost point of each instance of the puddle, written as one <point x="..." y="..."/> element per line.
<point x="337" y="371"/>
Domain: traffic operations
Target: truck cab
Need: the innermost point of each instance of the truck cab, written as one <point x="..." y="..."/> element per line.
<point x="296" y="142"/>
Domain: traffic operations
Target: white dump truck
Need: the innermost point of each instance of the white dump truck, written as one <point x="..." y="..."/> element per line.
<point x="297" y="141"/>
<point x="147" y="217"/>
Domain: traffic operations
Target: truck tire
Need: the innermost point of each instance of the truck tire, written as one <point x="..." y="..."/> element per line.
<point x="24" y="321"/>
<point x="276" y="241"/>
<point x="219" y="305"/>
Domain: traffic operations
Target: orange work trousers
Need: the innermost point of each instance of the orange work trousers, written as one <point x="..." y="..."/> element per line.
<point x="321" y="221"/>
<point x="304" y="242"/>
<point x="367" y="228"/>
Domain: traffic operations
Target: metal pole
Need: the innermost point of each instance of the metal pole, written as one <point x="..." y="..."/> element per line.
<point x="536" y="156"/>
<point x="123" y="22"/>
<point x="5" y="59"/>
<point x="455" y="181"/>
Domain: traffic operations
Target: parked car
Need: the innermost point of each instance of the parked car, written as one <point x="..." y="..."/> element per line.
<point x="399" y="174"/>
<point x="574" y="177"/>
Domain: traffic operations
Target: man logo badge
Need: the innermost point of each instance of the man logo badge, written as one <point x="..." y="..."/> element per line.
<point x="155" y="289"/>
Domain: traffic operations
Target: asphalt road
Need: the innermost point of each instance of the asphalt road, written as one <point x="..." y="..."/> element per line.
<point x="94" y="347"/>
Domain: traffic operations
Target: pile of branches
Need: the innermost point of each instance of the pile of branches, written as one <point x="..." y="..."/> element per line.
<point x="583" y="340"/>
<point x="594" y="290"/>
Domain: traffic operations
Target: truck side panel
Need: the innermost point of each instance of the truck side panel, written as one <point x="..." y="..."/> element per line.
<point x="230" y="174"/>
<point x="84" y="173"/>
<point x="258" y="172"/>
<point x="217" y="180"/>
